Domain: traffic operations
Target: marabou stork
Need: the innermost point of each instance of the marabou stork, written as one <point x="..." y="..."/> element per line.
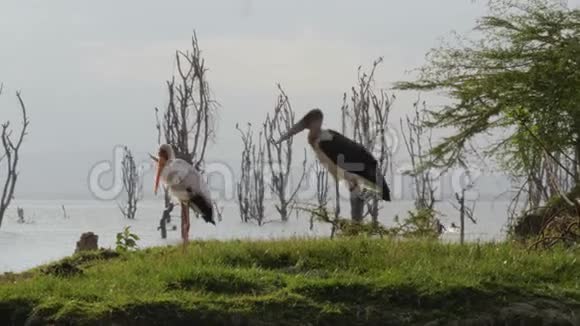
<point x="342" y="157"/>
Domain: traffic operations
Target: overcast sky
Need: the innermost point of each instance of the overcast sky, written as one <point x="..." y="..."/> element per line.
<point x="91" y="72"/>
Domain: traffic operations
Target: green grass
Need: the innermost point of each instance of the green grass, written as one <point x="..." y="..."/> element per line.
<point x="340" y="282"/>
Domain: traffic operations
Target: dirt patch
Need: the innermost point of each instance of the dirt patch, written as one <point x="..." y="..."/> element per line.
<point x="62" y="269"/>
<point x="72" y="266"/>
<point x="87" y="257"/>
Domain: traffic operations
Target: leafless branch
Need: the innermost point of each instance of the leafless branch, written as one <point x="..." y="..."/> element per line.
<point x="418" y="143"/>
<point x="188" y="121"/>
<point x="279" y="155"/>
<point x="321" y="175"/>
<point x="11" y="156"/>
<point x="131" y="184"/>
<point x="464" y="212"/>
<point x="251" y="185"/>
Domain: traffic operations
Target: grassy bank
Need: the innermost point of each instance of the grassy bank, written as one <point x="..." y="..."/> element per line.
<point x="341" y="282"/>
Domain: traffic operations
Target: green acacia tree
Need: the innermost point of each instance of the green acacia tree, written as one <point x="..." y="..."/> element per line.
<point x="519" y="74"/>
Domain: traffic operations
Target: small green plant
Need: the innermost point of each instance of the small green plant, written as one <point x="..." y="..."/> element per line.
<point x="342" y="227"/>
<point x="419" y="224"/>
<point x="349" y="228"/>
<point x="126" y="240"/>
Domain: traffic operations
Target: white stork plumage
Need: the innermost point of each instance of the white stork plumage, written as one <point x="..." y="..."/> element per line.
<point x="342" y="157"/>
<point x="185" y="184"/>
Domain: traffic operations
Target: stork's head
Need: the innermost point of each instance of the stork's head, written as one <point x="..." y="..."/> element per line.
<point x="164" y="154"/>
<point x="311" y="121"/>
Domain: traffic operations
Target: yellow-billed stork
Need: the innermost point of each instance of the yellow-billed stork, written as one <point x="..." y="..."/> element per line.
<point x="185" y="184"/>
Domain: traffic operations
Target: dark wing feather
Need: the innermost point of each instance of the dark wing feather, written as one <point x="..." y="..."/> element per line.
<point x="202" y="206"/>
<point x="349" y="155"/>
<point x="354" y="158"/>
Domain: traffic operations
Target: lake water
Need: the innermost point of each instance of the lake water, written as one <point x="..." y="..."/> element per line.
<point x="48" y="236"/>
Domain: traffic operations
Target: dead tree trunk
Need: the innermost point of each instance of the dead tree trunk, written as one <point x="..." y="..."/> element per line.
<point x="279" y="156"/>
<point x="131" y="184"/>
<point x="10" y="158"/>
<point x="461" y="206"/>
<point x="368" y="118"/>
<point x="461" y="200"/>
<point x="20" y="213"/>
<point x="165" y="218"/>
<point x="464" y="212"/>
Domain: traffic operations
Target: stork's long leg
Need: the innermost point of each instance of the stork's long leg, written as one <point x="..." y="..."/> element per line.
<point x="185" y="223"/>
<point x="353" y="186"/>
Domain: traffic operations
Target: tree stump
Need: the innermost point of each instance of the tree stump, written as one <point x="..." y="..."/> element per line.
<point x="20" y="212"/>
<point x="88" y="241"/>
<point x="165" y="218"/>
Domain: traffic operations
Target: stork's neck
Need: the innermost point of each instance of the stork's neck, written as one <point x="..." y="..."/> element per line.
<point x="313" y="135"/>
<point x="170" y="156"/>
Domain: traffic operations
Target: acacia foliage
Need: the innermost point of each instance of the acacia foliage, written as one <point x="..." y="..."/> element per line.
<point x="519" y="73"/>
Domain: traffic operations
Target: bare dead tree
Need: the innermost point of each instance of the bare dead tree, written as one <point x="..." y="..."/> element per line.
<point x="367" y="115"/>
<point x="279" y="156"/>
<point x="244" y="184"/>
<point x="418" y="142"/>
<point x="464" y="210"/>
<point x="188" y="122"/>
<point x="251" y="186"/>
<point x="131" y="184"/>
<point x="322" y="189"/>
<point x="10" y="158"/>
